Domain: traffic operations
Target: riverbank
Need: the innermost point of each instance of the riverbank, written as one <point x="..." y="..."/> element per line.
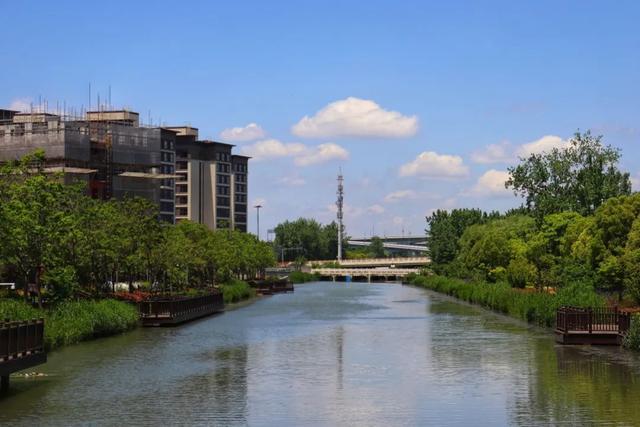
<point x="538" y="308"/>
<point x="75" y="321"/>
<point x="302" y="277"/>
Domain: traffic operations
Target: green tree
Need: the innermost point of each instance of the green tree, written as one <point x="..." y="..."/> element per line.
<point x="307" y="238"/>
<point x="444" y="229"/>
<point x="376" y="248"/>
<point x="577" y="178"/>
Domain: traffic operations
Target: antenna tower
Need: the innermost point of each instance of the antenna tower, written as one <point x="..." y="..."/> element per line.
<point x="339" y="204"/>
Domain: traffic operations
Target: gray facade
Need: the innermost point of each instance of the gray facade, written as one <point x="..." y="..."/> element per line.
<point x="108" y="150"/>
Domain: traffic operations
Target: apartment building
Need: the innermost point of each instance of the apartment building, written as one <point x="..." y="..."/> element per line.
<point x="211" y="182"/>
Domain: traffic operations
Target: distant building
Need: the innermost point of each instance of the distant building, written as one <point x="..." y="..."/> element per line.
<point x="211" y="183"/>
<point x="117" y="157"/>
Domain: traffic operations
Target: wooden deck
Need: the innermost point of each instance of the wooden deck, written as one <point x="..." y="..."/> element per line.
<point x="270" y="287"/>
<point x="596" y="326"/>
<point x="176" y="310"/>
<point x="21" y="347"/>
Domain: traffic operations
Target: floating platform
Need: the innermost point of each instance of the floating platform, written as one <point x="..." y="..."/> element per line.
<point x="21" y="347"/>
<point x="591" y="326"/>
<point x="176" y="310"/>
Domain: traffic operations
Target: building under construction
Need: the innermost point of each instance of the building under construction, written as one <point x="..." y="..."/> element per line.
<point x="118" y="157"/>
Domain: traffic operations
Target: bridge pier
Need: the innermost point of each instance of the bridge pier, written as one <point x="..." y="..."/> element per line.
<point x="4" y="383"/>
<point x="369" y="278"/>
<point x="333" y="278"/>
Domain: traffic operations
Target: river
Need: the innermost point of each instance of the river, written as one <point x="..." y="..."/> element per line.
<point x="328" y="355"/>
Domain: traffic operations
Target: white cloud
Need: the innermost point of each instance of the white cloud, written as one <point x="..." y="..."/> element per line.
<point x="375" y="209"/>
<point x="250" y="132"/>
<point x="320" y="154"/>
<point x="491" y="184"/>
<point x="355" y="117"/>
<point x="400" y="195"/>
<point x="494" y="153"/>
<point x="430" y="164"/>
<point x="302" y="154"/>
<point x="272" y="148"/>
<point x="446" y="205"/>
<point x="292" y="181"/>
<point x="542" y="145"/>
<point x="20" y="104"/>
<point x="398" y="220"/>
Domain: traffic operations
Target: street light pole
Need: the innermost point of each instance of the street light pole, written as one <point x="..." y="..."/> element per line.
<point x="258" y="219"/>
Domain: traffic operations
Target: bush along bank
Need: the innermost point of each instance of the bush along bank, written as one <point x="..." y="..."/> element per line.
<point x="302" y="277"/>
<point x="538" y="308"/>
<point x="236" y="291"/>
<point x="73" y="321"/>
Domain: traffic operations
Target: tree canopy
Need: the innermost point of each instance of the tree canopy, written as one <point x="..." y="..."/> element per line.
<point x="578" y="178"/>
<point x="307" y="238"/>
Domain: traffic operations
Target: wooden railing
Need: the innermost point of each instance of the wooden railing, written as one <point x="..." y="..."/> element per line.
<point x="180" y="306"/>
<point x="21" y="339"/>
<point x="601" y="319"/>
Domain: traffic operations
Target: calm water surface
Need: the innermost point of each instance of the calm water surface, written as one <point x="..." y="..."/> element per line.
<point x="333" y="354"/>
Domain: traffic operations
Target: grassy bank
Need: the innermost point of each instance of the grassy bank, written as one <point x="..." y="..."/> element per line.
<point x="237" y="290"/>
<point x="302" y="277"/>
<point x="72" y="322"/>
<point x="535" y="307"/>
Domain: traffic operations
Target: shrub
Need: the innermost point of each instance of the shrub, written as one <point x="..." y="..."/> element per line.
<point x="302" y="277"/>
<point x="632" y="338"/>
<point x="237" y="290"/>
<point x="61" y="282"/>
<point x="72" y="322"/>
<point x="520" y="272"/>
<point x="534" y="307"/>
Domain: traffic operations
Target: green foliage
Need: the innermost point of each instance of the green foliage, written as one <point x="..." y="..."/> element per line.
<point x="237" y="290"/>
<point x="17" y="310"/>
<point x="72" y="322"/>
<point x="445" y="229"/>
<point x="520" y="272"/>
<point x="376" y="248"/>
<point x="578" y="178"/>
<point x="534" y="307"/>
<point x="302" y="277"/>
<point x="61" y="282"/>
<point x="632" y="338"/>
<point x="307" y="238"/>
<point x="485" y="247"/>
<point x="54" y="234"/>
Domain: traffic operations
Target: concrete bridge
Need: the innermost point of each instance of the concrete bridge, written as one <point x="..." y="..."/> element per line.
<point x="417" y="261"/>
<point x="364" y="273"/>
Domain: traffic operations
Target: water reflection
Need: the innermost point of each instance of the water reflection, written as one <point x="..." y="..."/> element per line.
<point x="334" y="354"/>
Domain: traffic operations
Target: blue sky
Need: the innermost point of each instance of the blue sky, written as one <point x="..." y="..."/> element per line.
<point x="422" y="104"/>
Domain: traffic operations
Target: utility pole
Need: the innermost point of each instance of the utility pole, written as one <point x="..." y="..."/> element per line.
<point x="339" y="204"/>
<point x="258" y="219"/>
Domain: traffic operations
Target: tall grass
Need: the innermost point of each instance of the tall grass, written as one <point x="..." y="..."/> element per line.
<point x="535" y="307"/>
<point x="302" y="277"/>
<point x="72" y="322"/>
<point x="237" y="290"/>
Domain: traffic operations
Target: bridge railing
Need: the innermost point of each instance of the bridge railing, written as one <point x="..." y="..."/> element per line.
<point x="375" y="261"/>
<point x="19" y="339"/>
<point x="364" y="272"/>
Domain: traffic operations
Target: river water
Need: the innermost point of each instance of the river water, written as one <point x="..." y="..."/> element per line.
<point x="329" y="355"/>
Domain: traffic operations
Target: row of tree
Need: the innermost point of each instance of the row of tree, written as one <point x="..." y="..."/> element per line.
<point x="52" y="234"/>
<point x="306" y="238"/>
<point x="580" y="224"/>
